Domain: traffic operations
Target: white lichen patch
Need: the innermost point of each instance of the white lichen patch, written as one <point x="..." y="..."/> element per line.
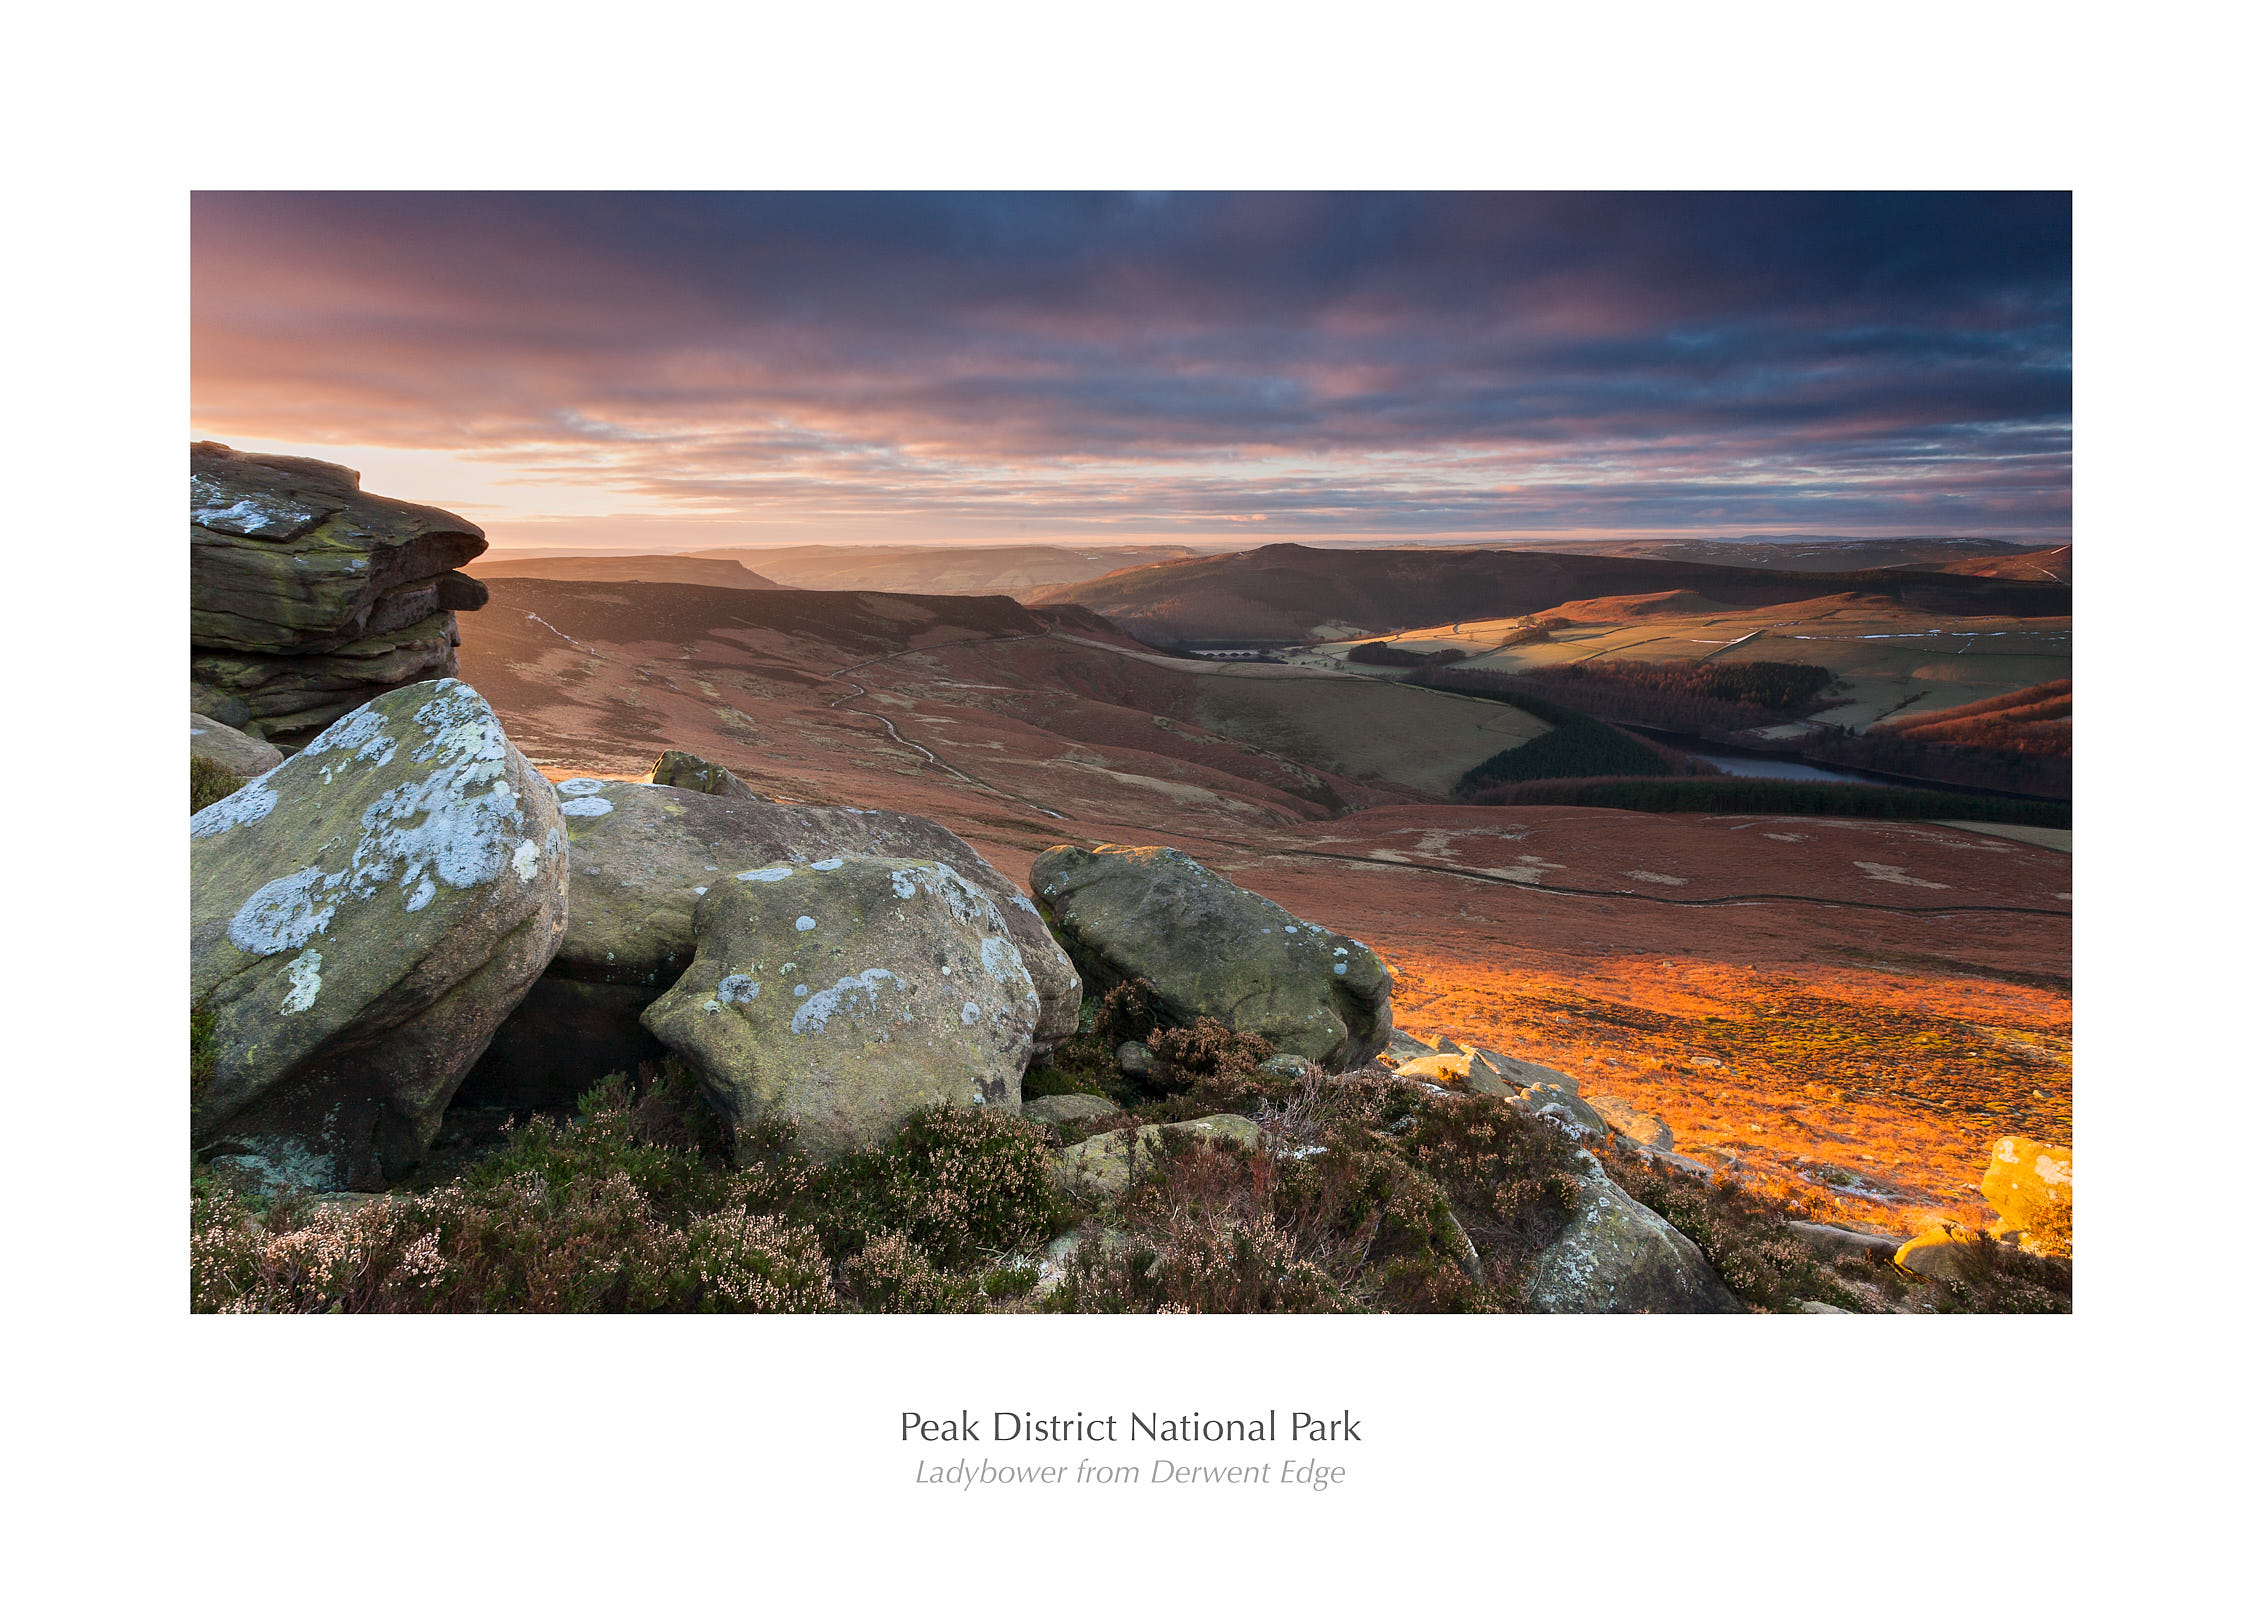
<point x="767" y="875"/>
<point x="305" y="973"/>
<point x="576" y="787"/>
<point x="804" y="924"/>
<point x="459" y="823"/>
<point x="227" y="509"/>
<point x="359" y="735"/>
<point x="455" y="824"/>
<point x="588" y="805"/>
<point x="970" y="1014"/>
<point x="247" y="805"/>
<point x="847" y="998"/>
<point x="737" y="989"/>
<point x="284" y="913"/>
<point x="829" y="864"/>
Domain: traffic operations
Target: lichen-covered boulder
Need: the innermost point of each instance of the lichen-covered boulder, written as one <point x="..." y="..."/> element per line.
<point x="643" y="858"/>
<point x="233" y="749"/>
<point x="362" y="917"/>
<point x="1618" y="1255"/>
<point x="845" y="994"/>
<point x="678" y="769"/>
<point x="2031" y="1185"/>
<point x="1212" y="949"/>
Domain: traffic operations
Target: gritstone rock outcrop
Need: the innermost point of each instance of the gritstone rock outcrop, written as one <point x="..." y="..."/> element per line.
<point x="644" y="856"/>
<point x="361" y="918"/>
<point x="847" y="993"/>
<point x="1214" y="950"/>
<point x="308" y="597"/>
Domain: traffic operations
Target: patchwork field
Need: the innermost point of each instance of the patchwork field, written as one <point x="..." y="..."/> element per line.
<point x="1889" y="657"/>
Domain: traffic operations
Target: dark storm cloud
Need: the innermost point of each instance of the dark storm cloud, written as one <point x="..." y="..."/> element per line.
<point x="1395" y="363"/>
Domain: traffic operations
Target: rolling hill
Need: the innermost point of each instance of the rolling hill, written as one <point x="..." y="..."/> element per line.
<point x="713" y="573"/>
<point x="1015" y="569"/>
<point x="1816" y="555"/>
<point x="1286" y="593"/>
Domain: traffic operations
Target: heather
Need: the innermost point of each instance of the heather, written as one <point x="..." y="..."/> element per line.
<point x="209" y="781"/>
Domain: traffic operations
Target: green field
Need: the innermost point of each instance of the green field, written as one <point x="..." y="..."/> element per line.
<point x="1886" y="658"/>
<point x="1361" y="727"/>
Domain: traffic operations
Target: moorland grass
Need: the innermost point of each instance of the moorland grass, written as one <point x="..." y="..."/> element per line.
<point x="1370" y="1192"/>
<point x="209" y="781"/>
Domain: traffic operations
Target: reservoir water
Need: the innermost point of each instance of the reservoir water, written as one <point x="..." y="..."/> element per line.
<point x="1744" y="764"/>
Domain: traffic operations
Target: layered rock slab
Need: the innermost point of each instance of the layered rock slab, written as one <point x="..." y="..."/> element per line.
<point x="362" y="917"/>
<point x="1212" y="949"/>
<point x="844" y="994"/>
<point x="308" y="597"/>
<point x="644" y="856"/>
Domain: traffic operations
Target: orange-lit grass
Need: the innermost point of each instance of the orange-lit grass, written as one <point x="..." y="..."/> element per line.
<point x="1834" y="1079"/>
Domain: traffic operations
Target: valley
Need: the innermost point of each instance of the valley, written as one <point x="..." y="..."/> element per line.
<point x="1843" y="1010"/>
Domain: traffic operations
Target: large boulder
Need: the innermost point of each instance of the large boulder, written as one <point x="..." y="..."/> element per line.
<point x="1947" y="1252"/>
<point x="2031" y="1185"/>
<point x="307" y="597"/>
<point x="644" y="856"/>
<point x="845" y="994"/>
<point x="679" y="769"/>
<point x="362" y="917"/>
<point x="1618" y="1255"/>
<point x="1212" y="949"/>
<point x="232" y="748"/>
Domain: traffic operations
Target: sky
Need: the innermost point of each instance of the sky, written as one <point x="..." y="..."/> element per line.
<point x="682" y="371"/>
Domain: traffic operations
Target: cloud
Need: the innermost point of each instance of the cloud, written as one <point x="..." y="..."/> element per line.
<point x="1859" y="362"/>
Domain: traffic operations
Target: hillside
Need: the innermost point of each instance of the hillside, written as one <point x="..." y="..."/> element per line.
<point x="714" y="573"/>
<point x="1016" y="569"/>
<point x="1842" y="1010"/>
<point x="1290" y="593"/>
<point x="1050" y="703"/>
<point x="1818" y="555"/>
<point x="2052" y="565"/>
